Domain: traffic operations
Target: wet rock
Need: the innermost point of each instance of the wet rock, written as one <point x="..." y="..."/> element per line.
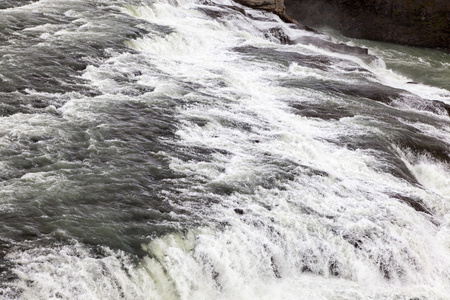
<point x="442" y="106"/>
<point x="239" y="211"/>
<point x="278" y="34"/>
<point x="414" y="203"/>
<point x="363" y="53"/>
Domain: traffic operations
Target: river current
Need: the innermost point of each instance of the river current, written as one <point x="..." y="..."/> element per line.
<point x="200" y="149"/>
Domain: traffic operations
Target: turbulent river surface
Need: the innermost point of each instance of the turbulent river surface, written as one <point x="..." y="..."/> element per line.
<point x="204" y="150"/>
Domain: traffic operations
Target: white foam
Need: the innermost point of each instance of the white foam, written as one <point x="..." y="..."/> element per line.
<point x="71" y="272"/>
<point x="239" y="262"/>
<point x="434" y="175"/>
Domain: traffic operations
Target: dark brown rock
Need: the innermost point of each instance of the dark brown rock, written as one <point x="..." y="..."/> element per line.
<point x="275" y="6"/>
<point x="422" y="23"/>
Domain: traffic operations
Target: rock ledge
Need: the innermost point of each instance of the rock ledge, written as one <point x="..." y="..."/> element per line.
<point x="420" y="23"/>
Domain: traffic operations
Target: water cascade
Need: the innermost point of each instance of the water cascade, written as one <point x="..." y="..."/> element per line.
<point x="200" y="149"/>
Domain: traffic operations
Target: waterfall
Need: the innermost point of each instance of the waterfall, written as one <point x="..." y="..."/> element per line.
<point x="188" y="149"/>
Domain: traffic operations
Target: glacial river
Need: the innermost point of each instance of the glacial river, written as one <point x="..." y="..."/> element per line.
<point x="199" y="149"/>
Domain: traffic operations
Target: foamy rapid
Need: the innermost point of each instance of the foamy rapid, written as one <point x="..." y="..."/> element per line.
<point x="291" y="171"/>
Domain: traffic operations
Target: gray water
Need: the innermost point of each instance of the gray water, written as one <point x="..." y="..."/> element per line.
<point x="204" y="150"/>
<point x="425" y="66"/>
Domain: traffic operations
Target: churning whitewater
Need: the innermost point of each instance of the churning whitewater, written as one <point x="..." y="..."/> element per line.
<point x="203" y="150"/>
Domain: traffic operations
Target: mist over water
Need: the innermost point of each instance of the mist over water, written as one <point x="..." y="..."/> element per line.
<point x="205" y="150"/>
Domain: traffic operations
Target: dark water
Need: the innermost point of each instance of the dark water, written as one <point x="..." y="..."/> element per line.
<point x="194" y="150"/>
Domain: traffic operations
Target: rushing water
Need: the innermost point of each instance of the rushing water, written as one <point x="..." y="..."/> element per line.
<point x="204" y="150"/>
